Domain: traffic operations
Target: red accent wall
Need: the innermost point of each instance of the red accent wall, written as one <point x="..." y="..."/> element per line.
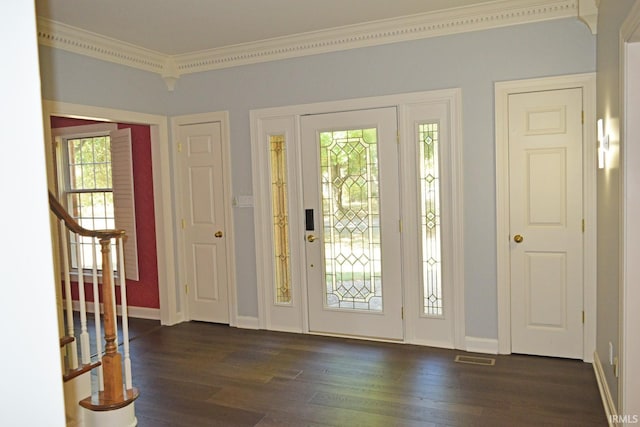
<point x="143" y="293"/>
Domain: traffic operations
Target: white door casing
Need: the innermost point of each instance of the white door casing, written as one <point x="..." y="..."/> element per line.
<point x="629" y="383"/>
<point x="381" y="265"/>
<point x="420" y="328"/>
<point x="503" y="92"/>
<point x="169" y="312"/>
<point x="442" y="107"/>
<point x="286" y="316"/>
<point x="203" y="222"/>
<point x="545" y="177"/>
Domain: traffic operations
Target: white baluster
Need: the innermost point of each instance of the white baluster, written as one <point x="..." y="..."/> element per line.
<point x="125" y="315"/>
<point x="72" y="348"/>
<point x="96" y="310"/>
<point x="85" y="352"/>
<point x="113" y="293"/>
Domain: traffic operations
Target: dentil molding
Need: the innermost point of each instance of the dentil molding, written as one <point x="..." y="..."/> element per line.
<point x="500" y="13"/>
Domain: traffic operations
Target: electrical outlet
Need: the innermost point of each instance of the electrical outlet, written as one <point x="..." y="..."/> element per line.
<point x="610" y="353"/>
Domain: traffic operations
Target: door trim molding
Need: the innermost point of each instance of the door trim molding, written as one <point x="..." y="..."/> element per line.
<point x="163" y="209"/>
<point x="587" y="82"/>
<point x="629" y="351"/>
<point x="223" y="118"/>
<point x="449" y="97"/>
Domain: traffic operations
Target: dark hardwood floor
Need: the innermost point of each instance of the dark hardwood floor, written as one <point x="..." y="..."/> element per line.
<point x="198" y="374"/>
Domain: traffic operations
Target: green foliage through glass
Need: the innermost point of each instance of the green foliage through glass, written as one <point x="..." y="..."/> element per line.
<point x="351" y="219"/>
<point x="89" y="192"/>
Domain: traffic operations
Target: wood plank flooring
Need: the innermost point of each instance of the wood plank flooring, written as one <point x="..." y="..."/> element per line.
<point x="197" y="374"/>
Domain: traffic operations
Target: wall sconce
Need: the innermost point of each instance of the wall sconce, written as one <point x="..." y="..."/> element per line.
<point x="603" y="144"/>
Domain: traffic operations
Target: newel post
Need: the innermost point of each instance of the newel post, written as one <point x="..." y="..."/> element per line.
<point x="112" y="360"/>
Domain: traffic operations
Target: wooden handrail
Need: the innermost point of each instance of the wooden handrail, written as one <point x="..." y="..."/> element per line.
<point x="73" y="225"/>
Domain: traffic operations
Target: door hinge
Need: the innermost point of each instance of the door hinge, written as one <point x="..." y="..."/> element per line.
<point x="398" y="137"/>
<point x="183" y="224"/>
<point x="179" y="147"/>
<point x="583" y="316"/>
<point x="582" y="117"/>
<point x="400" y="226"/>
<point x="402" y="312"/>
<point x="583" y="226"/>
<point x="186" y="289"/>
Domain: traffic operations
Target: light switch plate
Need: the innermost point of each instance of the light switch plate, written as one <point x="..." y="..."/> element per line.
<point x="244" y="201"/>
<point x="610" y="353"/>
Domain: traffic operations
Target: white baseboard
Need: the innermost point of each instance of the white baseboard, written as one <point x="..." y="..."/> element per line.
<point x="143" y="312"/>
<point x="284" y="329"/>
<point x="481" y="345"/>
<point x="430" y="343"/>
<point x="607" y="401"/>
<point x="136" y="312"/>
<point x="247" y="322"/>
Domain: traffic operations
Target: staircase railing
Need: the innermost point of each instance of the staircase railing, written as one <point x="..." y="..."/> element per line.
<point x="114" y="390"/>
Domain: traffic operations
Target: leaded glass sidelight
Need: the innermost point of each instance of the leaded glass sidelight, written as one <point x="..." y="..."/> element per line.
<point x="282" y="266"/>
<point x="351" y="219"/>
<point x="430" y="219"/>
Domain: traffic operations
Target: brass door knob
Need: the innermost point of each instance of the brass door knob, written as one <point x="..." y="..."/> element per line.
<point x="218" y="234"/>
<point x="518" y="238"/>
<point x="311" y="238"/>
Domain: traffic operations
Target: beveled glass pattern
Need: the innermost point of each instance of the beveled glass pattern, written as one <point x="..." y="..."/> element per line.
<point x="351" y="219"/>
<point x="282" y="267"/>
<point x="430" y="219"/>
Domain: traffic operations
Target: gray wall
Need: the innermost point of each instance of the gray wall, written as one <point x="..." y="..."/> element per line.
<point x="78" y="79"/>
<point x="472" y="61"/>
<point x="611" y="15"/>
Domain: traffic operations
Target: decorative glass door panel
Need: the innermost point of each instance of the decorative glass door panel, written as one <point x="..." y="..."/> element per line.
<point x="351" y="200"/>
<point x="351" y="219"/>
<point x="430" y="219"/>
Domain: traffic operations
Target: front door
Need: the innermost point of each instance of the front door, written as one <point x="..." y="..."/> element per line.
<point x="351" y="201"/>
<point x="203" y="222"/>
<point x="545" y="178"/>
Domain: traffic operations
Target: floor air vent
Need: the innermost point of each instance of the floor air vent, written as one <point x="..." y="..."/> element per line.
<point x="474" y="360"/>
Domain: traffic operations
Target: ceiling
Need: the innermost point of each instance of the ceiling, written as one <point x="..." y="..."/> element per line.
<point x="174" y="27"/>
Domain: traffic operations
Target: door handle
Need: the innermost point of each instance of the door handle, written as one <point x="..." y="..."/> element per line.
<point x="218" y="234"/>
<point x="311" y="238"/>
<point x="518" y="238"/>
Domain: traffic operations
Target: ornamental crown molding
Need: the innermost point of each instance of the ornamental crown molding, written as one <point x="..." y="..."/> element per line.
<point x="588" y="13"/>
<point x="500" y="13"/>
<point x="61" y="36"/>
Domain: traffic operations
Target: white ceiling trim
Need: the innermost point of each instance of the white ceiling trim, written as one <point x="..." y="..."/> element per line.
<point x="72" y="39"/>
<point x="473" y="18"/>
<point x="588" y="13"/>
<point x="484" y="16"/>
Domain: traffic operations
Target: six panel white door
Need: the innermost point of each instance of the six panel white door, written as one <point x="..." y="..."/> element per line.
<point x="350" y="182"/>
<point x="203" y="222"/>
<point x="545" y="171"/>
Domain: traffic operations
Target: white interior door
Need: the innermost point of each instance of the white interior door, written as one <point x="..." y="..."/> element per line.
<point x="351" y="201"/>
<point x="203" y="221"/>
<point x="545" y="172"/>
